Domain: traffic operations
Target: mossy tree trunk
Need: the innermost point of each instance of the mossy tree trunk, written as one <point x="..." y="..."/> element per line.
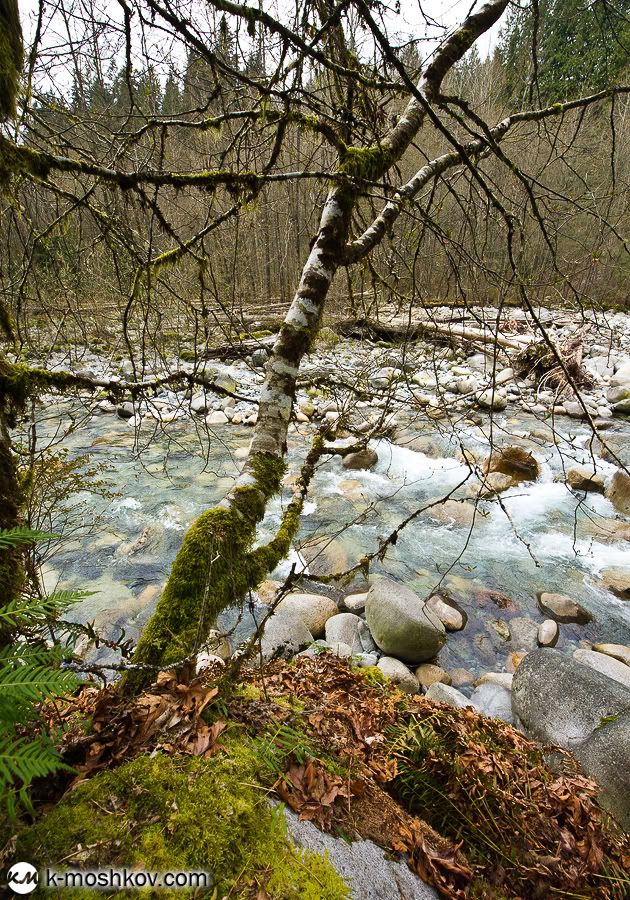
<point x="215" y="567"/>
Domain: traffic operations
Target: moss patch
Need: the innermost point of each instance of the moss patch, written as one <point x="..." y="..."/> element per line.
<point x="181" y="813"/>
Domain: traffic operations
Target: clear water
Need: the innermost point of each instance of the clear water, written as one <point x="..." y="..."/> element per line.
<point x="544" y="542"/>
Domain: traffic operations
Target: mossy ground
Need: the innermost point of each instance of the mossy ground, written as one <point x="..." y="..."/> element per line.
<point x="169" y="813"/>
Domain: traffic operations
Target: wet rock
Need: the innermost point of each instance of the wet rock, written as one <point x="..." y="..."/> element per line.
<point x="313" y="609"/>
<point x="514" y="660"/>
<point x="467" y="385"/>
<point x="504" y="376"/>
<point x="401" y="623"/>
<point x="323" y="556"/>
<point x="355" y="603"/>
<point x="617" y="580"/>
<point x="524" y="633"/>
<point x="562" y="608"/>
<point x="493" y="700"/>
<point x="573" y="409"/>
<point x="344" y="628"/>
<point x="618" y="491"/>
<point x="362" y="459"/>
<point x="617" y="651"/>
<point x="493" y="484"/>
<point x="460" y="677"/>
<point x="502" y="629"/>
<point x="581" y="478"/>
<point x="450" y="616"/>
<point x="455" y="512"/>
<point x="398" y="672"/>
<point x="428" y="674"/>
<point x="444" y="693"/>
<point x="608" y="666"/>
<point x="518" y="463"/>
<point x="284" y="635"/>
<point x="548" y="633"/>
<point x="605" y="757"/>
<point x="492" y="400"/>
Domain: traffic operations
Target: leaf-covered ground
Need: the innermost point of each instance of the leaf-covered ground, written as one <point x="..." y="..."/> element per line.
<point x="466" y="799"/>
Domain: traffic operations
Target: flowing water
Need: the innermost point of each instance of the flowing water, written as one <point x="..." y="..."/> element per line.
<point x="541" y="537"/>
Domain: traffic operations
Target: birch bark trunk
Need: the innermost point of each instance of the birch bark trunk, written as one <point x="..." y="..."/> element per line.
<point x="215" y="567"/>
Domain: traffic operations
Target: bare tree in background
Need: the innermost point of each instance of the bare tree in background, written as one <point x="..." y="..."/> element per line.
<point x="319" y="117"/>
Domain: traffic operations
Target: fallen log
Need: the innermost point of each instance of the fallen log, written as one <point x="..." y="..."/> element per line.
<point x="402" y="330"/>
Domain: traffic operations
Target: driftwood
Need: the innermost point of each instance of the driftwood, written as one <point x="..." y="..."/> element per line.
<point x="400" y="329"/>
<point x="237" y="349"/>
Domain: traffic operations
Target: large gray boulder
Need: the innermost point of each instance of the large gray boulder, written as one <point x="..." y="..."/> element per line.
<point x="313" y="609"/>
<point x="401" y="622"/>
<point x="561" y="701"/>
<point x="370" y="873"/>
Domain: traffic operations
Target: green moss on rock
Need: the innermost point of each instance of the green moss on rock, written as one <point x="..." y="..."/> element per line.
<point x="181" y="814"/>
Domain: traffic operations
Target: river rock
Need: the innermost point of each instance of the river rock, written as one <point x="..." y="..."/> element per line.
<point x="524" y="633"/>
<point x="365" y="660"/>
<point x="582" y="478"/>
<point x="617" y="651"/>
<point x="340" y="649"/>
<point x="518" y="463"/>
<point x="367" y="641"/>
<point x="503" y="679"/>
<point x="493" y="700"/>
<point x="493" y="484"/>
<point x="492" y="400"/>
<point x="444" y="693"/>
<point x="259" y="358"/>
<point x="370" y="872"/>
<point x="313" y="609"/>
<point x="398" y="672"/>
<point x="267" y="590"/>
<point x="344" y="628"/>
<point x="617" y="580"/>
<point x="605" y="757"/>
<point x="562" y="608"/>
<point x="573" y="409"/>
<point x="467" y="385"/>
<point x="453" y="512"/>
<point x="361" y="459"/>
<point x="451" y="617"/>
<point x="200" y="404"/>
<point x="217" y="418"/>
<point x="401" y="623"/>
<point x="428" y="674"/>
<point x="560" y="701"/>
<point x="618" y="491"/>
<point x="548" y="633"/>
<point x="284" y="635"/>
<point x="608" y="666"/>
<point x="125" y="410"/>
<point x="355" y="603"/>
<point x="504" y="376"/>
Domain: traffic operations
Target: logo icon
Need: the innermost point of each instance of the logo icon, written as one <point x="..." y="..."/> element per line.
<point x="22" y="878"/>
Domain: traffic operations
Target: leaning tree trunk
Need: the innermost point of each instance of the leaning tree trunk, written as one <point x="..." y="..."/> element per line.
<point x="215" y="566"/>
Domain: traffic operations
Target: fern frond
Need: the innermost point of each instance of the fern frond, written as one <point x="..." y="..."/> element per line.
<point x="30" y="682"/>
<point x="13" y="537"/>
<point x="30" y="611"/>
<point x="21" y="761"/>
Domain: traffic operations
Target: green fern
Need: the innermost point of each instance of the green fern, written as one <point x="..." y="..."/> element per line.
<point x="21" y="761"/>
<point x="14" y="537"/>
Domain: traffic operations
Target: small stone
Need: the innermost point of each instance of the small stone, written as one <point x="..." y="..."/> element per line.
<point x="503" y="679"/>
<point x="583" y="479"/>
<point x="573" y="409"/>
<point x="344" y="628"/>
<point x="515" y="461"/>
<point x="365" y="660"/>
<point x="355" y="603"/>
<point x="494" y="700"/>
<point x="514" y="660"/>
<point x="617" y="651"/>
<point x="428" y="674"/>
<point x="362" y="459"/>
<point x="460" y="677"/>
<point x="444" y="693"/>
<point x="341" y="649"/>
<point x="563" y="609"/>
<point x="492" y="400"/>
<point x="449" y="616"/>
<point x="502" y="629"/>
<point x="398" y="672"/>
<point x="217" y="418"/>
<point x="125" y="410"/>
<point x="617" y="581"/>
<point x="618" y="491"/>
<point x="313" y="609"/>
<point x="504" y="376"/>
<point x="199" y="404"/>
<point x="608" y="666"/>
<point x="548" y="633"/>
<point x="493" y="484"/>
<point x="267" y="591"/>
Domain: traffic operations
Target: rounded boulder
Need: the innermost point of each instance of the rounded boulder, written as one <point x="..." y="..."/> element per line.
<point x="401" y="623"/>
